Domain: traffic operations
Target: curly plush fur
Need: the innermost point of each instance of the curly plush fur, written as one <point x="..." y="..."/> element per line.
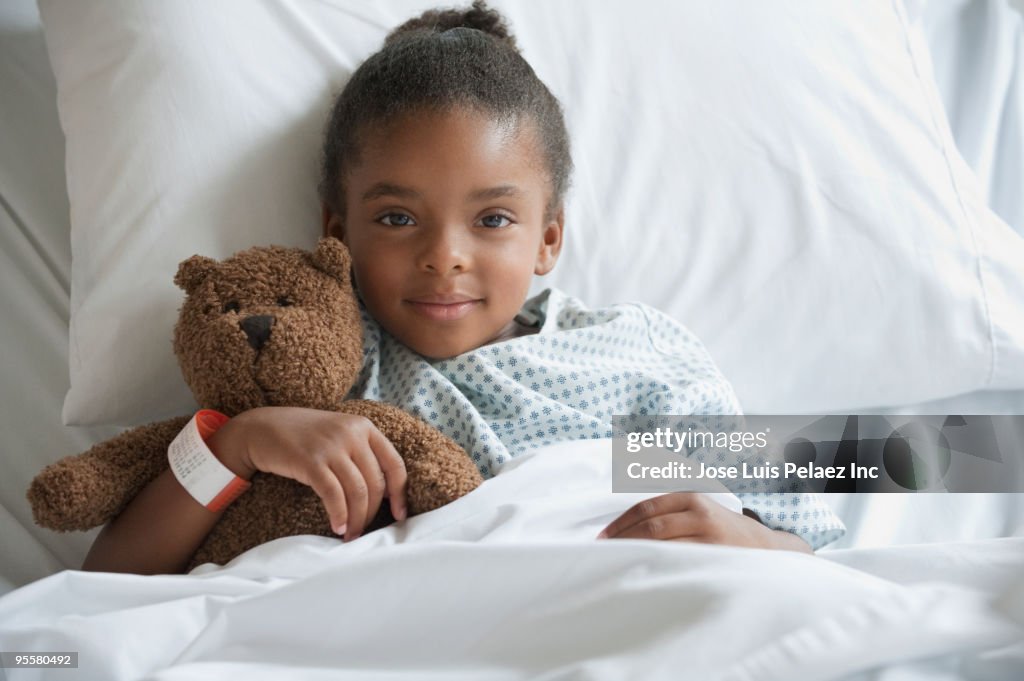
<point x="269" y="326"/>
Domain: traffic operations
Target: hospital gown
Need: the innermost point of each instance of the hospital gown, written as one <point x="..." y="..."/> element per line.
<point x="564" y="383"/>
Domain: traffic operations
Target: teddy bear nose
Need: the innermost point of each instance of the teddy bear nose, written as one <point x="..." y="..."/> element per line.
<point x="257" y="329"/>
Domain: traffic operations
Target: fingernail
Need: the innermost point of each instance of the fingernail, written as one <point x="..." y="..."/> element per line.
<point x="340" y="529"/>
<point x="402" y="512"/>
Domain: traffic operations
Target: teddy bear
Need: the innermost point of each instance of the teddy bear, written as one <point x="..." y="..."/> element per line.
<point x="268" y="326"/>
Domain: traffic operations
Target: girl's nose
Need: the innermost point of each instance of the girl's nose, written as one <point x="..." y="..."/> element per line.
<point x="443" y="251"/>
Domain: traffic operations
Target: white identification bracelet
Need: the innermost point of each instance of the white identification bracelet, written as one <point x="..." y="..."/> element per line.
<point x="201" y="473"/>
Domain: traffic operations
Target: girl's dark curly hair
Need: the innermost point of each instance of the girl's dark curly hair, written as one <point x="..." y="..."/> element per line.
<point x="441" y="59"/>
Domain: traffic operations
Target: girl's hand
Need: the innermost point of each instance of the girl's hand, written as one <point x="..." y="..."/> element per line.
<point x="690" y="516"/>
<point x="348" y="462"/>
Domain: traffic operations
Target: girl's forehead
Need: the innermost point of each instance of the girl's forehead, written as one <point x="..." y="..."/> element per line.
<point x="453" y="128"/>
<point x="448" y="143"/>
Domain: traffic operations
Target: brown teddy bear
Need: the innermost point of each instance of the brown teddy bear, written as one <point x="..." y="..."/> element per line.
<point x="268" y="326"/>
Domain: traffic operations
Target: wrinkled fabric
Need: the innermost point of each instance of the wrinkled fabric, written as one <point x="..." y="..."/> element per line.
<point x="565" y="382"/>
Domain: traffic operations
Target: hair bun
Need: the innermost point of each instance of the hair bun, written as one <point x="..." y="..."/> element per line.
<point x="478" y="16"/>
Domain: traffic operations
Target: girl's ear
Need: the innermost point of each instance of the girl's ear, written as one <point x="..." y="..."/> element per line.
<point x="331" y="223"/>
<point x="551" y="243"/>
<point x="193" y="272"/>
<point x="332" y="257"/>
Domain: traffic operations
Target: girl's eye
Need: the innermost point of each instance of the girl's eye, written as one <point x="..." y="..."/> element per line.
<point x="396" y="220"/>
<point x="284" y="301"/>
<point x="233" y="306"/>
<point x="495" y="221"/>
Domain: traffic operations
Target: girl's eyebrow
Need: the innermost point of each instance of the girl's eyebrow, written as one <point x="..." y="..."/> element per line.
<point x="381" y="189"/>
<point x="386" y="189"/>
<point x="495" y="192"/>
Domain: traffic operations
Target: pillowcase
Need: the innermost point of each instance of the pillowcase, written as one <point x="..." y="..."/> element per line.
<point x="780" y="177"/>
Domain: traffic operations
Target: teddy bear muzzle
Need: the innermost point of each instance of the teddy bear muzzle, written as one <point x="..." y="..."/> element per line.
<point x="257" y="329"/>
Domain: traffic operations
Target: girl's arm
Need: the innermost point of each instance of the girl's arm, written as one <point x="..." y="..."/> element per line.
<point x="343" y="457"/>
<point x="163" y="525"/>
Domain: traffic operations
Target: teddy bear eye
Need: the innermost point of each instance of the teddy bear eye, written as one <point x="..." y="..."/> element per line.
<point x="233" y="306"/>
<point x="284" y="301"/>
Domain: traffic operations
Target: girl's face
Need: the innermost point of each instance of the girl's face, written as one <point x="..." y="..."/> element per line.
<point x="445" y="221"/>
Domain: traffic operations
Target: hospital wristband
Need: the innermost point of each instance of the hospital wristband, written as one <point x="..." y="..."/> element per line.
<point x="199" y="471"/>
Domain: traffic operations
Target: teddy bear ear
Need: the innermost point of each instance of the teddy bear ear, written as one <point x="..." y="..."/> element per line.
<point x="331" y="256"/>
<point x="194" y="271"/>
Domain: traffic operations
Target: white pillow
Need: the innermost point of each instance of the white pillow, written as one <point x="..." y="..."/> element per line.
<point x="778" y="176"/>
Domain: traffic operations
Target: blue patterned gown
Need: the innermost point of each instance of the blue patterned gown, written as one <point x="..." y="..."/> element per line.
<point x="564" y="383"/>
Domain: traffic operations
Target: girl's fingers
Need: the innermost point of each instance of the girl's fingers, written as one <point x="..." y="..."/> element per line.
<point x="678" y="526"/>
<point x="393" y="468"/>
<point x="646" y="509"/>
<point x="372" y="475"/>
<point x="327" y="486"/>
<point x="356" y="495"/>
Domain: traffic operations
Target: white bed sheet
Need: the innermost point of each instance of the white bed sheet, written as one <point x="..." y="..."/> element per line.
<point x="34" y="275"/>
<point x="509" y="583"/>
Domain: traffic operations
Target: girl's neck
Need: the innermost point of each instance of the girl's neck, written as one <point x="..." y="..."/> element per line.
<point x="514" y="329"/>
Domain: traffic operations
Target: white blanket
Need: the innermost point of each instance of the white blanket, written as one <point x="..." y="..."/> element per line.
<point x="509" y="583"/>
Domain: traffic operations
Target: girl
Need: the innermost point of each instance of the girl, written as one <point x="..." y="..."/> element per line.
<point x="446" y="162"/>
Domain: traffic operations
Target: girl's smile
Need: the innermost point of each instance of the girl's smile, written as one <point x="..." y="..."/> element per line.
<point x="444" y="307"/>
<point x="446" y="217"/>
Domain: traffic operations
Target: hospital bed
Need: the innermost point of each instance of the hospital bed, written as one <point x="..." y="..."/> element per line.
<point x="922" y="586"/>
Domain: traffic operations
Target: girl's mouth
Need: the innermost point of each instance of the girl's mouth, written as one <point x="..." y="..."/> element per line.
<point x="447" y="311"/>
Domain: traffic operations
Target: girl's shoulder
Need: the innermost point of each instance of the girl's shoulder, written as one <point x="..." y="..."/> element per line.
<point x="634" y="335"/>
<point x="559" y="311"/>
<point x="633" y="324"/>
<point x="556" y="310"/>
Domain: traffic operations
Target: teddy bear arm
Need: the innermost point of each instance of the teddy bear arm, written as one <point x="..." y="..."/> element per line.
<point x="84" y="490"/>
<point x="439" y="471"/>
